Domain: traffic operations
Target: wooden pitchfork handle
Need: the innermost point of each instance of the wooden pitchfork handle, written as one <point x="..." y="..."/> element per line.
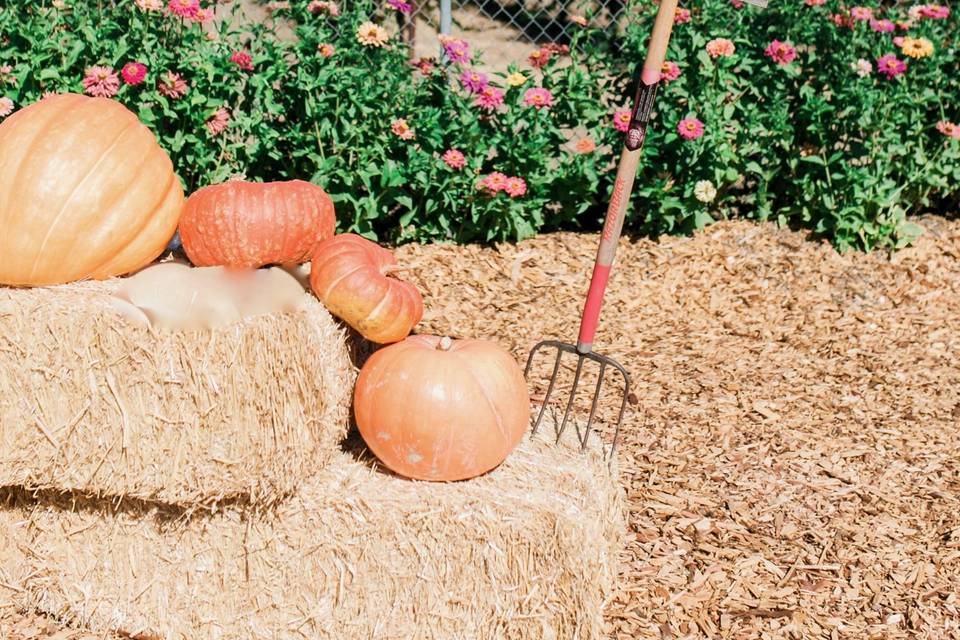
<point x="626" y="171"/>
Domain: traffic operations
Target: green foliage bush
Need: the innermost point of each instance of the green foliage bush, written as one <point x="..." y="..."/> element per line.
<point x="811" y="142"/>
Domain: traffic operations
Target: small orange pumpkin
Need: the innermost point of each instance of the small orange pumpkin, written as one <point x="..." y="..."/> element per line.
<point x="352" y="277"/>
<point x="85" y="192"/>
<point x="251" y="224"/>
<point x="433" y="408"/>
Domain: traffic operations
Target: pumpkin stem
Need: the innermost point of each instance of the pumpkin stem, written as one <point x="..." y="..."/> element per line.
<point x="445" y="343"/>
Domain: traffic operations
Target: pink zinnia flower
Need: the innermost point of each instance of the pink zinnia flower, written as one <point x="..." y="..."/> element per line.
<point x="217" y="123"/>
<point x="494" y="182"/>
<point x="720" y="47"/>
<point x="401" y="129"/>
<point x="782" y="53"/>
<point x="898" y="41"/>
<point x="578" y="19"/>
<point x="538" y="97"/>
<point x="890" y="66"/>
<point x="670" y="71"/>
<point x="202" y="15"/>
<point x="539" y="58"/>
<point x="457" y="50"/>
<point x="171" y="85"/>
<point x="586" y="145"/>
<point x="400" y="5"/>
<point x="490" y="98"/>
<point x="841" y="20"/>
<point x="690" y="128"/>
<point x="621" y="120"/>
<point x="101" y="82"/>
<point x="473" y="81"/>
<point x="316" y="7"/>
<point x="903" y="25"/>
<point x="882" y="26"/>
<point x="814" y="3"/>
<point x="861" y="14"/>
<point x="515" y="187"/>
<point x="150" y="5"/>
<point x="737" y="4"/>
<point x="326" y="50"/>
<point x="425" y="65"/>
<point x="454" y="159"/>
<point x="243" y="60"/>
<point x="6" y="75"/>
<point x="134" y="73"/>
<point x="681" y="16"/>
<point x="184" y="8"/>
<point x="6" y="107"/>
<point x="935" y="11"/>
<point x="862" y="67"/>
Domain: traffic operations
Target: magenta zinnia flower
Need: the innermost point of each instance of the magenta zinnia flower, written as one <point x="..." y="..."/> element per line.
<point x="882" y="26"/>
<point x="101" y="82"/>
<point x="184" y="8"/>
<point x="670" y="71"/>
<point x="172" y="85"/>
<point x="134" y="72"/>
<point x="782" y="53"/>
<point x="456" y="50"/>
<point x="473" y="81"/>
<point x="515" y="187"/>
<point x="490" y="98"/>
<point x="621" y="120"/>
<point x="690" y="128"/>
<point x="400" y="6"/>
<point x="538" y="97"/>
<point x="243" y="60"/>
<point x="890" y="66"/>
<point x="454" y="159"/>
<point x="217" y="123"/>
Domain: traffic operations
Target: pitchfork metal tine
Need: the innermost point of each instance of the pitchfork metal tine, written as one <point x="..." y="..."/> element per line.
<point x="593" y="409"/>
<point x="553" y="382"/>
<point x="573" y="396"/>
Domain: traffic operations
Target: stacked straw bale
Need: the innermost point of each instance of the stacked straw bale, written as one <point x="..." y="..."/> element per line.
<point x="529" y="550"/>
<point x="92" y="403"/>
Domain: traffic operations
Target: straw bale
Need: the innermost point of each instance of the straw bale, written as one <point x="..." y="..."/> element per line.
<point x="529" y="550"/>
<point x="90" y="402"/>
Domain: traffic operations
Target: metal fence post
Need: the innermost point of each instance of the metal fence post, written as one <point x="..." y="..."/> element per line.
<point x="446" y="22"/>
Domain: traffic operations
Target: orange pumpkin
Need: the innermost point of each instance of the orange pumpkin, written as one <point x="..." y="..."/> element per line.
<point x="439" y="409"/>
<point x="352" y="277"/>
<point x="250" y="224"/>
<point x="85" y="192"/>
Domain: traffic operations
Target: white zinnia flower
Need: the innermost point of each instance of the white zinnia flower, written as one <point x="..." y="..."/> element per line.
<point x="705" y="191"/>
<point x="862" y="67"/>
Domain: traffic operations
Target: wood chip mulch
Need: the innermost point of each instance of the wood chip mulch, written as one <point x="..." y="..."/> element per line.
<point x="792" y="461"/>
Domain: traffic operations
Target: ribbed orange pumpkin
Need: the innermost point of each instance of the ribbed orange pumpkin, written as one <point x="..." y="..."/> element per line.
<point x="250" y="224"/>
<point x="351" y="277"/>
<point x="85" y="192"/>
<point x="439" y="409"/>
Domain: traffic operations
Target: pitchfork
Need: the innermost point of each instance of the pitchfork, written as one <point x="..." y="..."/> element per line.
<point x="616" y="211"/>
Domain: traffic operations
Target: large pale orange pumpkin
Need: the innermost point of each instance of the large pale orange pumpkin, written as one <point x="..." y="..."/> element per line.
<point x="353" y="277"/>
<point x="85" y="192"/>
<point x="439" y="409"/>
<point x="251" y="224"/>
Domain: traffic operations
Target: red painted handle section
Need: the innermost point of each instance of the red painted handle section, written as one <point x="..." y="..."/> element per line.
<point x="626" y="171"/>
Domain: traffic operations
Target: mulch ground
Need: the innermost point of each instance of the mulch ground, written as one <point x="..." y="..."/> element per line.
<point x="792" y="458"/>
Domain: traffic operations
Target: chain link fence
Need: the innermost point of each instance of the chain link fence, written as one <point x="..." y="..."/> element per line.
<point x="501" y="28"/>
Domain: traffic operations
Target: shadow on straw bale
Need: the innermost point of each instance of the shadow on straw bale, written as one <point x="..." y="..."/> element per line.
<point x="92" y="404"/>
<point x="530" y="550"/>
